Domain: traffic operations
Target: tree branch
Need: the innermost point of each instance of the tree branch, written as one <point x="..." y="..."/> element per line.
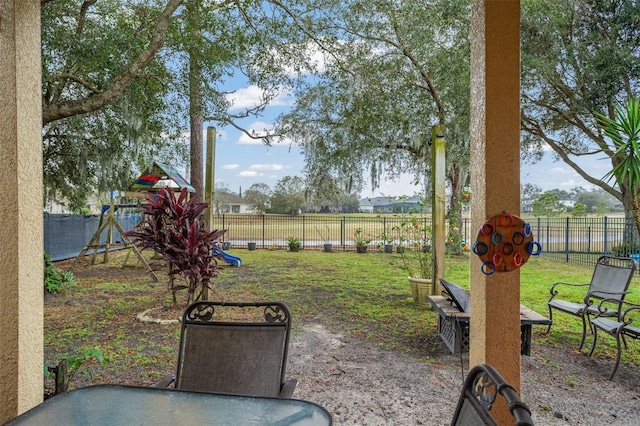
<point x="83" y="15"/>
<point x="98" y="100"/>
<point x="534" y="128"/>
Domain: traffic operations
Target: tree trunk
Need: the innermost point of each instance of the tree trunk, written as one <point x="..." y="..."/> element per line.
<point x="195" y="105"/>
<point x="458" y="178"/>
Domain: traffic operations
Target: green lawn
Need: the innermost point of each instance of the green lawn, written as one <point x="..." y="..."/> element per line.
<point x="366" y="295"/>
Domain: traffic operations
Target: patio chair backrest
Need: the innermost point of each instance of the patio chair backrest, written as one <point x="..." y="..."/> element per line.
<point x="237" y="348"/>
<point x="612" y="275"/>
<point x="481" y="388"/>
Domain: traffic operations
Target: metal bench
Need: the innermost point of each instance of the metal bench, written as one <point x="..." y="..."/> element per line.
<point x="454" y="316"/>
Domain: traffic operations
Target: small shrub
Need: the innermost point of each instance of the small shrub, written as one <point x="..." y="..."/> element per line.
<point x="174" y="227"/>
<point x="625" y="249"/>
<point x="294" y="243"/>
<point x="54" y="278"/>
<point x="66" y="369"/>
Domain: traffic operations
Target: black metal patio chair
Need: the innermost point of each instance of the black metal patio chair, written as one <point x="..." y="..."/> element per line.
<point x="610" y="280"/>
<point x="481" y="388"/>
<point x="620" y="328"/>
<point x="235" y="348"/>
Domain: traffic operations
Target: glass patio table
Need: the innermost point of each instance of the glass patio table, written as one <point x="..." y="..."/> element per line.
<point x="104" y="405"/>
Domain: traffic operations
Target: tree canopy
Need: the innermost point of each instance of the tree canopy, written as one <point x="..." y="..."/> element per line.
<point x="122" y="79"/>
<point x="288" y="196"/>
<point x="579" y="58"/>
<point x="393" y="70"/>
<point x="104" y="111"/>
<point x="259" y="195"/>
<point x="547" y="204"/>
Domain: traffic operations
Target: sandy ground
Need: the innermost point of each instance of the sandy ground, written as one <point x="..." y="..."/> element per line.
<point x="362" y="384"/>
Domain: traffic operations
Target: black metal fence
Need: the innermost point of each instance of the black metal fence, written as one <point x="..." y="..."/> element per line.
<point x="582" y="240"/>
<point x="578" y="240"/>
<point x="273" y="231"/>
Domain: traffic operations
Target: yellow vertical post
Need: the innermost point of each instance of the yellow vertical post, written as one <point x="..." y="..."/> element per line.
<point x="209" y="183"/>
<point x="438" y="164"/>
<point x="209" y="186"/>
<point x="495" y="182"/>
<point x="111" y="219"/>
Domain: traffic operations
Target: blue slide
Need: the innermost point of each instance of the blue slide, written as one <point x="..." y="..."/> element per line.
<point x="231" y="260"/>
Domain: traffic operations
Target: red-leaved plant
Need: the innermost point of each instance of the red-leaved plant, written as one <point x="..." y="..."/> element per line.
<point x="174" y="228"/>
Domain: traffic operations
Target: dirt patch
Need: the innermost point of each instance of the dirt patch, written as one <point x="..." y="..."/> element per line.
<point x="362" y="384"/>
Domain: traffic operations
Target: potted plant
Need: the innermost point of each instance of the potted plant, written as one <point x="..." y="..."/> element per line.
<point x="327" y="246"/>
<point x="385" y="243"/>
<point x="294" y="244"/>
<point x="417" y="260"/>
<point x="361" y="241"/>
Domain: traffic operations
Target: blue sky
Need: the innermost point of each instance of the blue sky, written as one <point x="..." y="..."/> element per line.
<point x="242" y="161"/>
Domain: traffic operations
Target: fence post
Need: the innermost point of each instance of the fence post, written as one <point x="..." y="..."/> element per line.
<point x="566" y="240"/>
<point x="384" y="228"/>
<point x="547" y="232"/>
<point x="342" y="230"/>
<point x="303" y="233"/>
<point x="263" y="230"/>
<point x="606" y="235"/>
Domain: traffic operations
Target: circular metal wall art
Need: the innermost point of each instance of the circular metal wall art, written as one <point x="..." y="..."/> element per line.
<point x="504" y="243"/>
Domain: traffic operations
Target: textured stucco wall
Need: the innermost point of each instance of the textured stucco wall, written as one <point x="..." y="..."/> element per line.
<point x="495" y="177"/>
<point x="21" y="267"/>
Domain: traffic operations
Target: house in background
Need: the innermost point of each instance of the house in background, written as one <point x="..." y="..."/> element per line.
<point x="226" y="202"/>
<point x="393" y="205"/>
<point x="376" y="205"/>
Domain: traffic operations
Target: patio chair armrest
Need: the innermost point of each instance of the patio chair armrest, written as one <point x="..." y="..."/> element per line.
<point x="589" y="295"/>
<point x="554" y="292"/>
<point x="165" y="382"/>
<point x="286" y="391"/>
<point x="604" y="310"/>
<point x="624" y="315"/>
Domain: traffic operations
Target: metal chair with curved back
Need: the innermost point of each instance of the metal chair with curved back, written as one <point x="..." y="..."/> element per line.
<point x="481" y="389"/>
<point x="621" y="328"/>
<point x="235" y="348"/>
<point x="611" y="278"/>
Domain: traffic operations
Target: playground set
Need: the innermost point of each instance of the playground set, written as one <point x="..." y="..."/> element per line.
<point x="155" y="177"/>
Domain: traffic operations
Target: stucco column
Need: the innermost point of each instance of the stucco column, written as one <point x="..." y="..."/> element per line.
<point x="495" y="177"/>
<point x="21" y="225"/>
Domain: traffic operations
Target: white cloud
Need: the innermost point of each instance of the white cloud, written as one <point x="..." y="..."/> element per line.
<point x="561" y="171"/>
<point x="257" y="128"/>
<point x="317" y="59"/>
<point x="222" y="134"/>
<point x="231" y="166"/>
<point x="252" y="96"/>
<point x="248" y="173"/>
<point x="403" y="185"/>
<point x="573" y="183"/>
<point x="271" y="167"/>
